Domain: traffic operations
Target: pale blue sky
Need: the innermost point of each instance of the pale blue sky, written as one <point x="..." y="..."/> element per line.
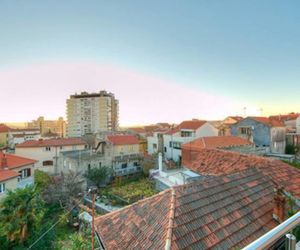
<point x="247" y="51"/>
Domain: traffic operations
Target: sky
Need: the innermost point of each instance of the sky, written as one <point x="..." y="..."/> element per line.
<point x="165" y="60"/>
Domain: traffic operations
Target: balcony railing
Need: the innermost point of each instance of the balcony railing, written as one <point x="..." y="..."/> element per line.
<point x="270" y="238"/>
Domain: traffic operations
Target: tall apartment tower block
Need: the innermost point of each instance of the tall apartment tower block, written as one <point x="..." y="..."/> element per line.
<point x="92" y="113"/>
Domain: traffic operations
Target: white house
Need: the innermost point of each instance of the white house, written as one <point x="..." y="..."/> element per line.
<point x="15" y="172"/>
<point x="183" y="133"/>
<point x="46" y="152"/>
<point x="17" y="136"/>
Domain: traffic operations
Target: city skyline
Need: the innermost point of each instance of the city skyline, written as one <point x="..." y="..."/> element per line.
<point x="202" y="60"/>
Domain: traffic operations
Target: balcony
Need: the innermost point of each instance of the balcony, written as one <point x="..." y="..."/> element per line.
<point x="129" y="157"/>
<point x="280" y="237"/>
<point x="128" y="171"/>
<point x="25" y="182"/>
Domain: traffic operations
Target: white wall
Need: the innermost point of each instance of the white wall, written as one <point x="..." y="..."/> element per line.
<point x="41" y="154"/>
<point x="151" y="140"/>
<point x="206" y="130"/>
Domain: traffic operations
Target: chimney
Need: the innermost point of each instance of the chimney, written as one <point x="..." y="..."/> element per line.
<point x="279" y="204"/>
<point x="3" y="163"/>
<point x="160" y="165"/>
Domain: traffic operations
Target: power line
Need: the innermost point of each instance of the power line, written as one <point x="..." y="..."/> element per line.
<point x="49" y="229"/>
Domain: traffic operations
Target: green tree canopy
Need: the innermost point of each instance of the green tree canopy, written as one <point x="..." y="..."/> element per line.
<point x="98" y="175"/>
<point x="20" y="214"/>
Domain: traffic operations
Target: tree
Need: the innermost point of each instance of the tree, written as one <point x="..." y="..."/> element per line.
<point x="63" y="189"/>
<point x="98" y="175"/>
<point x="21" y="212"/>
<point x="42" y="180"/>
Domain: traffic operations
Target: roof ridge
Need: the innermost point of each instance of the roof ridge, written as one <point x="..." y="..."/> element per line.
<point x="171" y="221"/>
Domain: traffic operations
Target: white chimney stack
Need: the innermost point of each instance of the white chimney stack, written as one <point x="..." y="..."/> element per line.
<point x="160" y="164"/>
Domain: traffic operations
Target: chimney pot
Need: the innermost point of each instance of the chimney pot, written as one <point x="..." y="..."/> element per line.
<point x="279" y="204"/>
<point x="3" y="163"/>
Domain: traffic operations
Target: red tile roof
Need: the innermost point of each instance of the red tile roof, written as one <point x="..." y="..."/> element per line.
<point x="267" y="121"/>
<point x="4" y="128"/>
<point x="292" y="116"/>
<point x="215" y="142"/>
<point x="52" y="142"/>
<point x="8" y="174"/>
<point x="220" y="162"/>
<point x="189" y="125"/>
<point x="14" y="161"/>
<point x="226" y="212"/>
<point x="123" y="139"/>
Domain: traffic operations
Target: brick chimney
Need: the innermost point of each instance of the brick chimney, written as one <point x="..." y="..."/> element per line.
<point x="3" y="162"/>
<point x="279" y="204"/>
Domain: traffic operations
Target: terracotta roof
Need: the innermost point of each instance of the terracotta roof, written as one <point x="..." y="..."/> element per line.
<point x="14" y="161"/>
<point x="226" y="212"/>
<point x="123" y="139"/>
<point x="190" y="125"/>
<point x="7" y="174"/>
<point x="267" y="121"/>
<point x="291" y="116"/>
<point x="4" y="128"/>
<point x="52" y="142"/>
<point x="220" y="162"/>
<point x="215" y="142"/>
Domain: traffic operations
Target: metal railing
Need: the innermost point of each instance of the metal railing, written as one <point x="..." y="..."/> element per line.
<point x="275" y="234"/>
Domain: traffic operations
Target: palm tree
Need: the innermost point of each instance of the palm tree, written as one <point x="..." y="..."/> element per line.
<point x="20" y="213"/>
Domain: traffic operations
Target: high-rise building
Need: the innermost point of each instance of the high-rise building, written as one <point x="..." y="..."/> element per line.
<point x="92" y="113"/>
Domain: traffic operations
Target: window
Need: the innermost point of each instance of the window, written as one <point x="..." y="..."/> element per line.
<point x="124" y="165"/>
<point x="177" y="145"/>
<point x="165" y="148"/>
<point x="154" y="146"/>
<point x="61" y="147"/>
<point x="47" y="163"/>
<point x="100" y="164"/>
<point x="25" y="173"/>
<point x="245" y="131"/>
<point x="136" y="164"/>
<point x="2" y="188"/>
<point x="186" y="134"/>
<point x="170" y="144"/>
<point x="48" y="148"/>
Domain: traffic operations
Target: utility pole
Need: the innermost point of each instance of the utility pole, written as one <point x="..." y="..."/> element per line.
<point x="93" y="191"/>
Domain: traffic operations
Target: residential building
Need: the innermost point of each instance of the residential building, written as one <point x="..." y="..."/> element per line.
<point x="81" y="161"/>
<point x="17" y="136"/>
<point x="57" y="127"/>
<point x="183" y="133"/>
<point x="225" y="126"/>
<point x="125" y="154"/>
<point x="92" y="113"/>
<point x="224" y="212"/>
<point x="263" y="132"/>
<point x="46" y="152"/>
<point x="15" y="172"/>
<point x="4" y="131"/>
